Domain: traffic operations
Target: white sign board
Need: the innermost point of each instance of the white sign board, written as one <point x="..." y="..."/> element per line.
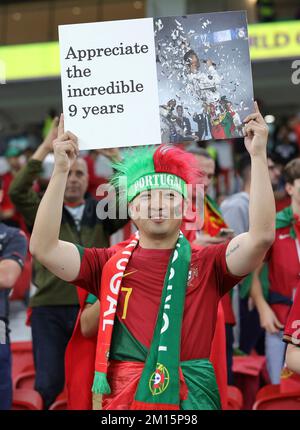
<point x="148" y="81"/>
<point x="109" y="83"/>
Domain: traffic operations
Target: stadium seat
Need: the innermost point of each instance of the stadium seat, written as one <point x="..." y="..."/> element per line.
<point x="289" y="381"/>
<point x="26" y="399"/>
<point x="22" y="358"/>
<point x="249" y="375"/>
<point x="280" y="401"/>
<point x="235" y="398"/>
<point x="267" y="391"/>
<point x="25" y="379"/>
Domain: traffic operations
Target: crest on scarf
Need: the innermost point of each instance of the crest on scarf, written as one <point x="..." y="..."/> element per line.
<point x="159" y="380"/>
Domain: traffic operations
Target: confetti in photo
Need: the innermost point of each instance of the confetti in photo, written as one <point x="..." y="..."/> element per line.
<point x="204" y="75"/>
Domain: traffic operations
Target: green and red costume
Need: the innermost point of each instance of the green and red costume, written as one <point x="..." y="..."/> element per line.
<point x="209" y="280"/>
<point x="158" y="306"/>
<point x="283" y="261"/>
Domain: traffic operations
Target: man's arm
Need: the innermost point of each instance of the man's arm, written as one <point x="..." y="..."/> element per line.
<point x="21" y="193"/>
<point x="247" y="250"/>
<point x="13" y="257"/>
<point x="59" y="257"/>
<point x="10" y="270"/>
<point x="268" y="319"/>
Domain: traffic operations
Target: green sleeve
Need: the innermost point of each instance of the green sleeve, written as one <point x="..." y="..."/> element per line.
<point x="80" y="250"/>
<point x="21" y="193"/>
<point x="91" y="299"/>
<point x="247" y="282"/>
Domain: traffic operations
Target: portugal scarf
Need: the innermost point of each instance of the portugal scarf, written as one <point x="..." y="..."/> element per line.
<point x="159" y="385"/>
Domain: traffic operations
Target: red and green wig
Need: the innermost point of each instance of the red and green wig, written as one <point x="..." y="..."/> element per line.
<point x="154" y="167"/>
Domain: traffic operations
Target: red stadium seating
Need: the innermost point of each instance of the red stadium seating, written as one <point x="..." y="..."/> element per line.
<point x="25" y="379"/>
<point x="267" y="391"/>
<point x="235" y="398"/>
<point x="280" y="401"/>
<point x="289" y="381"/>
<point x="25" y="399"/>
<point x="249" y="375"/>
<point x="22" y="358"/>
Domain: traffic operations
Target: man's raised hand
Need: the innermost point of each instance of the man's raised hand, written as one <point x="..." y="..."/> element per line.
<point x="256" y="133"/>
<point x="65" y="148"/>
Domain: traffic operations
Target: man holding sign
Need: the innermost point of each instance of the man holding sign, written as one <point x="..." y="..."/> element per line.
<point x="158" y="313"/>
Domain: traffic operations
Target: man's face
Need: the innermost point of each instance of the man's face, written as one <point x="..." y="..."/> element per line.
<point x="293" y="191"/>
<point x="77" y="182"/>
<point x="14" y="163"/>
<point x="194" y="64"/>
<point x="207" y="167"/>
<point x="274" y="172"/>
<point x="179" y="111"/>
<point x="157" y="213"/>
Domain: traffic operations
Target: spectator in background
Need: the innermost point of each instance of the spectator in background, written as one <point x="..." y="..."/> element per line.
<point x="235" y="210"/>
<point x="283" y="267"/>
<point x="183" y="123"/>
<point x="225" y="165"/>
<point x="55" y="304"/>
<point x="9" y="215"/>
<point x="286" y="147"/>
<point x="294" y="124"/>
<point x="282" y="199"/>
<point x="13" y="249"/>
<point x="91" y="159"/>
<point x="213" y="221"/>
<point x="209" y="233"/>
